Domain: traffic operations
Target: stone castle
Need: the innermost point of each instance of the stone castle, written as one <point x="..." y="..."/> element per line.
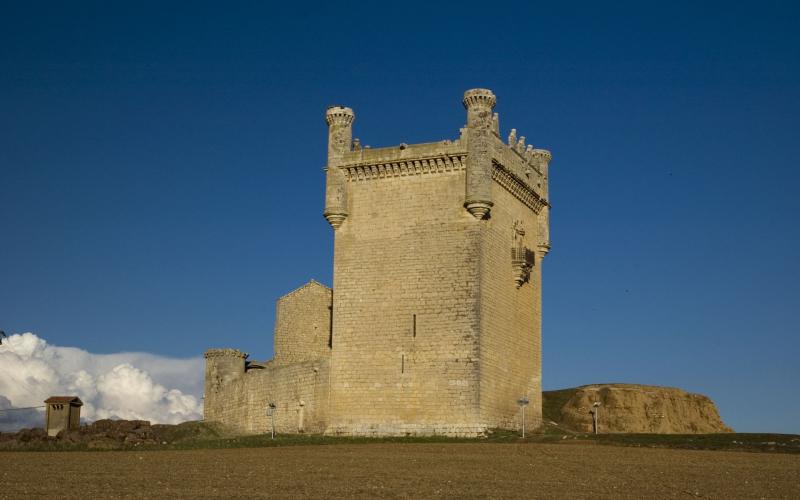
<point x="433" y="325"/>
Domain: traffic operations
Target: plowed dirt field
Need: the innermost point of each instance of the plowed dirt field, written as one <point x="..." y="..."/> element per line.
<point x="457" y="470"/>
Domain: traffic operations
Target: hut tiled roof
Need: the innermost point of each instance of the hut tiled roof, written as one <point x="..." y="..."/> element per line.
<point x="75" y="400"/>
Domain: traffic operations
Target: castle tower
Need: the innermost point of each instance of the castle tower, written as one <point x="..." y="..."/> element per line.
<point x="434" y="322"/>
<point x="436" y="325"/>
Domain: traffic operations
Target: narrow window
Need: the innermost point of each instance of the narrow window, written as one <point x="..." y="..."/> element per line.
<point x="402" y="363"/>
<point x="330" y="327"/>
<point x="414" y="326"/>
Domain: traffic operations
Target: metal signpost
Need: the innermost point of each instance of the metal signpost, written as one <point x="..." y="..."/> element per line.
<point x="523" y="402"/>
<point x="271" y="413"/>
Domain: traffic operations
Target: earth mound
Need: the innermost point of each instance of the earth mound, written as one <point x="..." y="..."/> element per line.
<point x="630" y="408"/>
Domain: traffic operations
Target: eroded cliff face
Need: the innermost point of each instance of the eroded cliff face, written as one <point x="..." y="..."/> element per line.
<point x="638" y="409"/>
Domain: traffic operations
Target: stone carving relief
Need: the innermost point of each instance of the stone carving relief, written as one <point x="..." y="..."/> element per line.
<point x="522" y="258"/>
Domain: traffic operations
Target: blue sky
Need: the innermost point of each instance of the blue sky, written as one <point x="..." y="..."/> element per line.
<point x="161" y="184"/>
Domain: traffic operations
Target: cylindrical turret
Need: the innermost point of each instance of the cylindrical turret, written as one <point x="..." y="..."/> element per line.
<point x="541" y="158"/>
<point x="340" y="131"/>
<point x="479" y="104"/>
<point x="224" y="365"/>
<point x="340" y="139"/>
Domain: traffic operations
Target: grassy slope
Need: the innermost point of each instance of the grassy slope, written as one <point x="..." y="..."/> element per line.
<point x="198" y="435"/>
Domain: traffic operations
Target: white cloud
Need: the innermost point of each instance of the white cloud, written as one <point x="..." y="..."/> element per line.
<point x="131" y="385"/>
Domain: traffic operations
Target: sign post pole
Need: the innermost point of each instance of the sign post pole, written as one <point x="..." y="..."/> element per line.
<point x="523" y="402"/>
<point x="271" y="413"/>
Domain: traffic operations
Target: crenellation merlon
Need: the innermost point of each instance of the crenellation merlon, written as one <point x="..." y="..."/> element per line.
<point x="525" y="152"/>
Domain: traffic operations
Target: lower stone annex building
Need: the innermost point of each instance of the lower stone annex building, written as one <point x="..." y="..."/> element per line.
<point x="433" y="325"/>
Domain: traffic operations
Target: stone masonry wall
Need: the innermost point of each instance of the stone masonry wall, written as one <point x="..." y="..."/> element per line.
<point x="303" y="324"/>
<point x="299" y="391"/>
<point x="510" y="341"/>
<point x="405" y="309"/>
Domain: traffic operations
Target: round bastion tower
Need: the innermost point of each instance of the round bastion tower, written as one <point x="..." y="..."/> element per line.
<point x="340" y="139"/>
<point x="223" y="366"/>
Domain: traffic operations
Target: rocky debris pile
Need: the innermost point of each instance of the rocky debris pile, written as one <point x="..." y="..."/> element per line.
<point x="107" y="434"/>
<point x="111" y="433"/>
<point x="23" y="436"/>
<point x="630" y="408"/>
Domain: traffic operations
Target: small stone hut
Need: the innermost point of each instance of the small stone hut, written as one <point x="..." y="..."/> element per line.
<point x="63" y="413"/>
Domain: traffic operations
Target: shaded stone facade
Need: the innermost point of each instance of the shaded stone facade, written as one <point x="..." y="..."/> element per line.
<point x="433" y="325"/>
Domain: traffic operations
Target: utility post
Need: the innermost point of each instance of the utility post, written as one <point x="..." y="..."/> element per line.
<point x="523" y="402"/>
<point x="595" y="409"/>
<point x="271" y="413"/>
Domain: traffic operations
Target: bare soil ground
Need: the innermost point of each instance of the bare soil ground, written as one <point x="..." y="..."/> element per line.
<point x="396" y="470"/>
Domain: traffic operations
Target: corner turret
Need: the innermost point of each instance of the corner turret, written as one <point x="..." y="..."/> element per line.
<point x="541" y="159"/>
<point x="480" y="128"/>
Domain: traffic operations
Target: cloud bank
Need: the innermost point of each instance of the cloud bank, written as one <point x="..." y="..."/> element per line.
<point x="132" y="385"/>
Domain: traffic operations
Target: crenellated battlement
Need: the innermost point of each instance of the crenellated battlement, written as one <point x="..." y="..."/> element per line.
<point x="402" y="152"/>
<point x="531" y="156"/>
<point x="339" y="115"/>
<point x="225" y="353"/>
<point x="479" y="98"/>
<point x="541" y="155"/>
<point x="478" y="150"/>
